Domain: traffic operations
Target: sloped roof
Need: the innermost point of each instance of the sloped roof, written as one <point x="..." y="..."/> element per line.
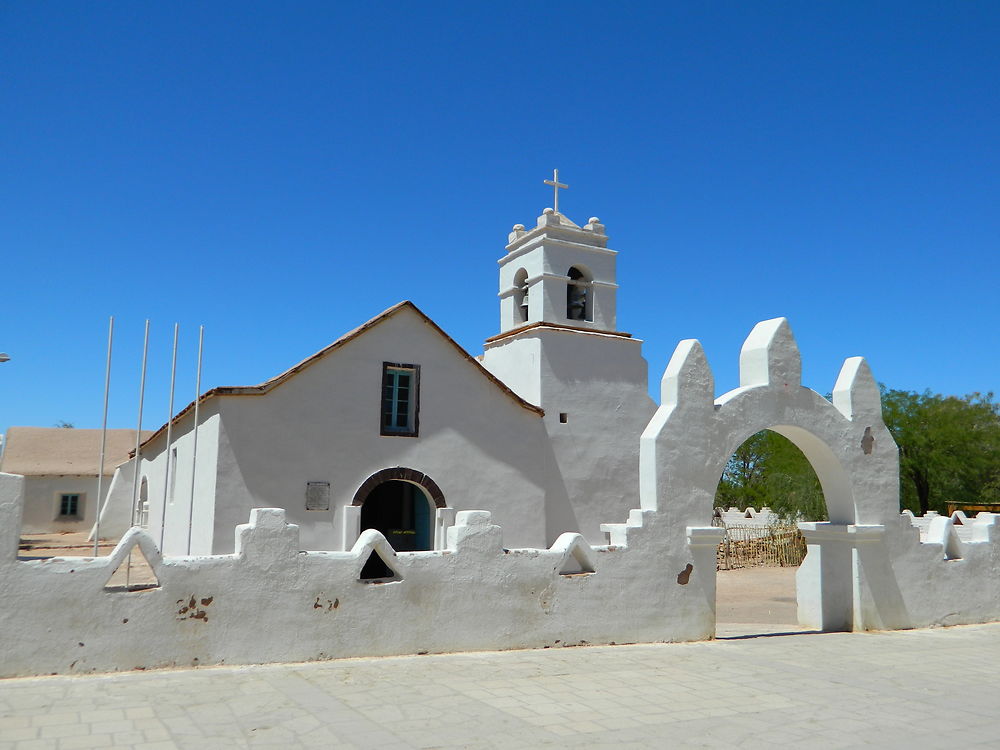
<point x="268" y="385"/>
<point x="55" y="451"/>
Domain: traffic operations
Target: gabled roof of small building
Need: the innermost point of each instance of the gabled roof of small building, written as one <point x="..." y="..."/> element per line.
<point x="63" y="451"/>
<point x="272" y="383"/>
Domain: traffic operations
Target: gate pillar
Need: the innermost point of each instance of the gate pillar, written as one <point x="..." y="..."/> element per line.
<point x="828" y="582"/>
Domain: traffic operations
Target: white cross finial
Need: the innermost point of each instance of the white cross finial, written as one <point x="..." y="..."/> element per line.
<point x="554" y="182"/>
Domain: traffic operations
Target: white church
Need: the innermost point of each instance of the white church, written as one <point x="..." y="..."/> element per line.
<point x="395" y="427"/>
<point x="392" y="494"/>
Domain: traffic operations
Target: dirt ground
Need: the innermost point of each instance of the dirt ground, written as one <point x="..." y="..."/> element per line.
<point x="134" y="571"/>
<point x="756" y="601"/>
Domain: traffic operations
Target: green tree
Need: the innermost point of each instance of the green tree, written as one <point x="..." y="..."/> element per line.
<point x="793" y="487"/>
<point x="949" y="447"/>
<point x="744" y="481"/>
<point x="768" y="469"/>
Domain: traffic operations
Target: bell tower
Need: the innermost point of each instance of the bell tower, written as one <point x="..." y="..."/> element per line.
<point x="558" y="273"/>
<point x="559" y="347"/>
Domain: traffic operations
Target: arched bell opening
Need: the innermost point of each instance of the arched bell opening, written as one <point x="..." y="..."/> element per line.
<point x="521" y="296"/>
<point x="579" y="294"/>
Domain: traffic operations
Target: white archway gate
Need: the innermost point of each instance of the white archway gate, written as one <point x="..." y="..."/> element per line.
<point x="686" y="445"/>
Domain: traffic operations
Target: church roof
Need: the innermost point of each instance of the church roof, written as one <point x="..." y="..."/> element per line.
<point x="62" y="451"/>
<point x="268" y="385"/>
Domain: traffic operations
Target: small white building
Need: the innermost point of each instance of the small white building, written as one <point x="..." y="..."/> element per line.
<point x="395" y="427"/>
<point x="60" y="467"/>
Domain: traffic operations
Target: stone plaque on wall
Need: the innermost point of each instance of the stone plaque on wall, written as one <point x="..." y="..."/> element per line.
<point x="317" y="496"/>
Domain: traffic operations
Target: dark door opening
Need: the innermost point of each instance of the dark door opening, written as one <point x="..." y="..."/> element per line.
<point x="402" y="513"/>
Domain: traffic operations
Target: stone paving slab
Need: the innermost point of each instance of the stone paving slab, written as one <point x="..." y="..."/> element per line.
<point x="915" y="689"/>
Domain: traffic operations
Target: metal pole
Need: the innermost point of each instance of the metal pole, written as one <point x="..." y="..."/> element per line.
<point x="101" y="502"/>
<point x="138" y="442"/>
<point x="138" y="429"/>
<point x="170" y="424"/>
<point x="194" y="450"/>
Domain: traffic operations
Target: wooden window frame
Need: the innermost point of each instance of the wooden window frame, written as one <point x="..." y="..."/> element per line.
<point x="413" y="427"/>
<point x="75" y="516"/>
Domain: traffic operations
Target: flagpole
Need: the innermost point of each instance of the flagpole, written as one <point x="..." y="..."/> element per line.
<point x="138" y="429"/>
<point x="170" y="424"/>
<point x="138" y="444"/>
<point x="194" y="450"/>
<point x="101" y="502"/>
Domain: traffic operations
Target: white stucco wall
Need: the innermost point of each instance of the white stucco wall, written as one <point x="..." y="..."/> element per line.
<point x="116" y="511"/>
<point x="599" y="381"/>
<point x="517" y="361"/>
<point x="177" y="491"/>
<point x="241" y="608"/>
<point x="480" y="446"/>
<point x="905" y="583"/>
<point x="41" y="507"/>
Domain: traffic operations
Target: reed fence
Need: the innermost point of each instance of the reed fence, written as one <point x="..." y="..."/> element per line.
<point x="747" y="546"/>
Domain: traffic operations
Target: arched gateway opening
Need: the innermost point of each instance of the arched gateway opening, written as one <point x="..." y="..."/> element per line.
<point x="398" y="503"/>
<point x="766" y="488"/>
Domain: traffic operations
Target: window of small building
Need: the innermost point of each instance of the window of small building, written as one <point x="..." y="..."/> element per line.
<point x="70" y="505"/>
<point x="400" y="399"/>
<point x="578" y="296"/>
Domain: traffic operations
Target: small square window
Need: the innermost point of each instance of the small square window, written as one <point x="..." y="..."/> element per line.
<point x="400" y="399"/>
<point x="563" y="417"/>
<point x="70" y="506"/>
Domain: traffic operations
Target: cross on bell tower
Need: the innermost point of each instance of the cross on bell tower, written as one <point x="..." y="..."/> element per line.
<point x="554" y="182"/>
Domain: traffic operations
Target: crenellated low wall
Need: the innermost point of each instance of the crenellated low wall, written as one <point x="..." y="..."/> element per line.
<point x="270" y="602"/>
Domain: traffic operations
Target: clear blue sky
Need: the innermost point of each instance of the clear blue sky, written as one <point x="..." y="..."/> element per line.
<point x="281" y="172"/>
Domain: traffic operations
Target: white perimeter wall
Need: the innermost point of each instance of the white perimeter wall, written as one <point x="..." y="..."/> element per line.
<point x="271" y="602"/>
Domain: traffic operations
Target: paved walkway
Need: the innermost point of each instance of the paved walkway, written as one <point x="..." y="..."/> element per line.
<point x="913" y="689"/>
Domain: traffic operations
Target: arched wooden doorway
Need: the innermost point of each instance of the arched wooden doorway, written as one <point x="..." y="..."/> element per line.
<point x="399" y="503"/>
